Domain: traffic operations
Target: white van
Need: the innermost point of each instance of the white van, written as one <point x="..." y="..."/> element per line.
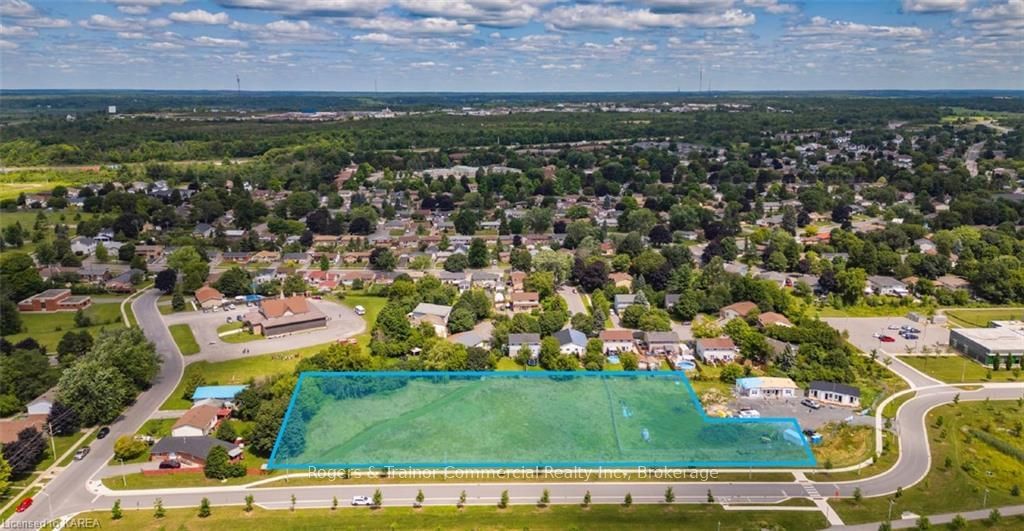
<point x="360" y="310"/>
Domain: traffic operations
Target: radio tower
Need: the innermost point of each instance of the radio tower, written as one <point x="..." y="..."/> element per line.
<point x="238" y="84"/>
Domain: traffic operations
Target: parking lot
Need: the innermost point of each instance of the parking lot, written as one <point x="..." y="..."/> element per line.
<point x="807" y="417"/>
<point x="862" y="332"/>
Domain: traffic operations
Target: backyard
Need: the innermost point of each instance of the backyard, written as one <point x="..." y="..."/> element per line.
<point x="47" y="328"/>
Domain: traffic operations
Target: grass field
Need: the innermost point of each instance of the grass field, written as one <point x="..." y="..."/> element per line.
<point x="890" y="454"/>
<point x="974" y="465"/>
<point x="48" y="328"/>
<point x="182" y="334"/>
<point x="844" y="445"/>
<point x="373" y="307"/>
<point x="981" y="317"/>
<point x="514" y="419"/>
<point x="869" y="311"/>
<point x="596" y="517"/>
<point x="958" y="369"/>
<point x="239" y="371"/>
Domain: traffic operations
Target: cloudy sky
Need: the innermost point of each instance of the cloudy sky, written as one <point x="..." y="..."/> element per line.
<point x="512" y="45"/>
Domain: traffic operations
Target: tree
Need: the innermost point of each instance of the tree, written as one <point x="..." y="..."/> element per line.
<point x="63" y="420"/>
<point x="958" y="522"/>
<point x="127" y="448"/>
<point x="545" y="498"/>
<point x="234" y="281"/>
<point x="857" y="495"/>
<point x="5" y="473"/>
<point x="670" y="496"/>
<point x="478" y="256"/>
<point x="177" y="301"/>
<point x="128" y="351"/>
<point x="456" y="263"/>
<point x="706" y="327"/>
<point x="628" y="500"/>
<point x="711" y="498"/>
<point x="923" y="523"/>
<point x="115" y="511"/>
<point x="334" y="503"/>
<point x="158" y="508"/>
<point x="19" y="278"/>
<point x="503" y="502"/>
<point x="629" y="361"/>
<point x="445" y="356"/>
<point x="10" y="317"/>
<point x="82" y="320"/>
<point x="25" y="452"/>
<point x="204" y="508"/>
<point x="192" y="266"/>
<point x="166" y="280"/>
<point x="219" y="465"/>
<point x="520" y="259"/>
<point x="102" y="255"/>
<point x="226" y="431"/>
<point x="382" y="259"/>
<point x="419" y="497"/>
<point x="249" y="499"/>
<point x="730" y="373"/>
<point x="95" y="390"/>
<point x="378" y="498"/>
<point x="462" y="498"/>
<point x="586" y="499"/>
<point x="294" y="284"/>
<point x="850" y="284"/>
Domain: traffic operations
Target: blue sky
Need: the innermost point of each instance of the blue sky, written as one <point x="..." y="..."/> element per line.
<point x="512" y="45"/>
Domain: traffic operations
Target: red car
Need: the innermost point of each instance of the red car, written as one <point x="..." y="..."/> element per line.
<point x="887" y="339"/>
<point x="24" y="505"/>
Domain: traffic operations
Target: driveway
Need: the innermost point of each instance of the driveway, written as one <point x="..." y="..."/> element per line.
<point x="342" y="322"/>
<point x="807" y="417"/>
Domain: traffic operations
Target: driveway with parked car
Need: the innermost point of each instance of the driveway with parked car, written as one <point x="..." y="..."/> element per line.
<point x="808" y="416"/>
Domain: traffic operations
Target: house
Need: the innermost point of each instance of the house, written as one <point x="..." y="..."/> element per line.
<point x="882" y="285"/>
<point x="204" y="230"/>
<point x="196" y="422"/>
<point x="193" y="450"/>
<point x="834" y="393"/>
<point x="671" y="299"/>
<point x="42" y="403"/>
<point x="524" y="301"/>
<point x="123" y="283"/>
<point x="82" y="245"/>
<point x="623" y="301"/>
<point x="952" y="282"/>
<point x="767" y="319"/>
<point x="149" y="252"/>
<point x="717" y="350"/>
<point x="483" y="279"/>
<point x="661" y="342"/>
<point x="571" y="341"/>
<point x="766" y="387"/>
<point x="435" y="314"/>
<point x="55" y="300"/>
<point x="216" y="393"/>
<point x="208" y="297"/>
<point x="471" y="338"/>
<point x="277" y="317"/>
<point x="9" y="429"/>
<point x="516" y="279"/>
<point x="617" y="340"/>
<point x="737" y="309"/>
<point x="621" y="280"/>
<point x="517" y="342"/>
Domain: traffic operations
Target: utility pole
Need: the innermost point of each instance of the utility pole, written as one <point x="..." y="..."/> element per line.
<point x="238" y="85"/>
<point x="53" y="445"/>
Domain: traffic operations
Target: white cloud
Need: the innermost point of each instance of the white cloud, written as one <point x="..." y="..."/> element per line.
<point x="162" y="46"/>
<point x="200" y="16"/>
<point x="821" y="26"/>
<point x="7" y="45"/>
<point x="103" y="22"/>
<point x="16" y="8"/>
<point x="1004" y="19"/>
<point x="582" y="17"/>
<point x="772" y="6"/>
<point x="381" y="38"/>
<point x="933" y="6"/>
<point x="418" y="26"/>
<point x="219" y="42"/>
<point x="649" y="47"/>
<point x="495" y="13"/>
<point x="131" y="35"/>
<point x="341" y="8"/>
<point x="424" y="64"/>
<point x="689" y="6"/>
<point x="284" y="31"/>
<point x="133" y="10"/>
<point x="8" y="31"/>
<point x="29" y="16"/>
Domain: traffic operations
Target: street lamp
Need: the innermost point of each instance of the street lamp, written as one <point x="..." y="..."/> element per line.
<point x="892" y="501"/>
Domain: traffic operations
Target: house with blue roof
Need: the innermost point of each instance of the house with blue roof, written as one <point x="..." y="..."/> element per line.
<point x="766" y="387"/>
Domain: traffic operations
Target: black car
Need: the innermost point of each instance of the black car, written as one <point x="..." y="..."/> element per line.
<point x="104" y="431"/>
<point x="170" y="463"/>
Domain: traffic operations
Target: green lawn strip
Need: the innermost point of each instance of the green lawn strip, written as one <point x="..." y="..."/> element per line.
<point x="892" y="407"/>
<point x="85" y="441"/>
<point x="599" y="517"/>
<point x="974" y="466"/>
<point x="48" y="328"/>
<point x="227" y="327"/>
<point x="373" y="306"/>
<point x="980" y="318"/>
<point x="63" y="443"/>
<point x="10" y="510"/>
<point x="890" y="454"/>
<point x="239" y="371"/>
<point x="871" y="311"/>
<point x="182" y="334"/>
<point x="959" y="369"/>
<point x="241" y="337"/>
<point x="844" y="445"/>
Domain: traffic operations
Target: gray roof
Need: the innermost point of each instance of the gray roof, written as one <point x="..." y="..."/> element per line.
<point x="568" y="335"/>
<point x="194" y="446"/>
<point x="523" y="339"/>
<point x="625" y="299"/>
<point x="425" y="308"/>
<point x="834" y="387"/>
<point x="661" y="337"/>
<point x="672" y="299"/>
<point x="884" y="281"/>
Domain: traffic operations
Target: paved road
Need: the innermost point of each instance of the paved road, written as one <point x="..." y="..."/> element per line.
<point x="971" y="158"/>
<point x="67" y="491"/>
<point x="342" y="322"/>
<point x="573" y="299"/>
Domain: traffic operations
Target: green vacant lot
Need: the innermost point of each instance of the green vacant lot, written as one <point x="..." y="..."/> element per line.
<point x="980" y="318"/>
<point x="373" y="306"/>
<point x="513" y="419"/>
<point x="597" y="517"/>
<point x="48" y="328"/>
<point x="182" y="334"/>
<point x="957" y="369"/>
<point x="974" y="465"/>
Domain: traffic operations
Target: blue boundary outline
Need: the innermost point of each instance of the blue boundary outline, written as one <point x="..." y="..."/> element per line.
<point x="806" y="463"/>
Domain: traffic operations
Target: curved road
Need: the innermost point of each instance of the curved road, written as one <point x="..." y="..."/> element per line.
<point x="71" y="491"/>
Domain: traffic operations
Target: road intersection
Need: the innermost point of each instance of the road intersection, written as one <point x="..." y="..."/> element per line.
<point x="78" y="488"/>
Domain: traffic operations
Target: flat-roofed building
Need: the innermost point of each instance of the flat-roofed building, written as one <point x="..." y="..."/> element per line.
<point x="55" y="300"/>
<point x="1004" y="340"/>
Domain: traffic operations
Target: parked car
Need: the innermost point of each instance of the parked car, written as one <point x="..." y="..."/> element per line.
<point x="908" y="335"/>
<point x="81" y="453"/>
<point x="104" y="431"/>
<point x="361" y="500"/>
<point x="229" y="319"/>
<point x="24" y="505"/>
<point x="895" y="327"/>
<point x="877" y="335"/>
<point x="170" y="463"/>
<point x="887" y="339"/>
<point x="749" y="414"/>
<point x="360" y="310"/>
<point x="912" y="330"/>
<point x="811" y="403"/>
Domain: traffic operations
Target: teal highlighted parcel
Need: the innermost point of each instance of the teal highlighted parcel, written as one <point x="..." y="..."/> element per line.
<point x="520" y="419"/>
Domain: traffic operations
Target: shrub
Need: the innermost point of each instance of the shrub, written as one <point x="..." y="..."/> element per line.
<point x="127" y="448"/>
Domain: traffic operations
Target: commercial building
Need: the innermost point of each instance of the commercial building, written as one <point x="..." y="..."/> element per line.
<point x="55" y="300"/>
<point x="1005" y="339"/>
<point x="834" y="393"/>
<point x="276" y="317"/>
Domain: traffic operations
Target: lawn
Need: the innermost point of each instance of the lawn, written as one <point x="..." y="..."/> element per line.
<point x="974" y="465"/>
<point x="182" y="334"/>
<point x="892" y="407"/>
<point x="157" y="428"/>
<point x="889" y="310"/>
<point x="48" y="328"/>
<point x="597" y="517"/>
<point x="844" y="445"/>
<point x="980" y="318"/>
<point x="890" y="454"/>
<point x="227" y="327"/>
<point x="589" y="419"/>
<point x="239" y="371"/>
<point x="241" y="337"/>
<point x="958" y="369"/>
<point x="373" y="305"/>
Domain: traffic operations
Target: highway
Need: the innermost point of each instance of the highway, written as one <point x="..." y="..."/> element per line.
<point x="74" y="490"/>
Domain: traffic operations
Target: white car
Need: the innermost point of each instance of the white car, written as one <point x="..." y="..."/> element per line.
<point x="360" y="310"/>
<point x="361" y="500"/>
<point x="749" y="414"/>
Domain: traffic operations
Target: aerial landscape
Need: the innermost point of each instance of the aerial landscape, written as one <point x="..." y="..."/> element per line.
<point x="512" y="264"/>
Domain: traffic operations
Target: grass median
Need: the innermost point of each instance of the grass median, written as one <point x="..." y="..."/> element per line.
<point x="960" y="369"/>
<point x="182" y="334"/>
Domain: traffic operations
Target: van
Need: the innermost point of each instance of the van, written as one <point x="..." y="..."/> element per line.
<point x="360" y="310"/>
